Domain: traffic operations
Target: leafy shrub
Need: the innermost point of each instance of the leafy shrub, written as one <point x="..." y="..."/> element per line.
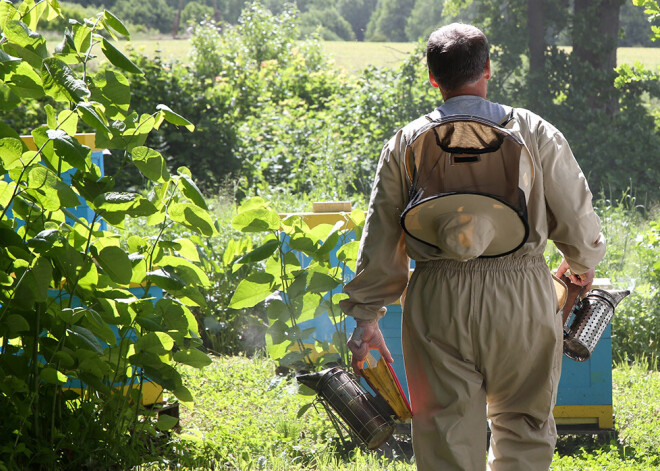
<point x="81" y="332"/>
<point x="155" y="14"/>
<point x="194" y="13"/>
<point x="328" y="23"/>
<point x="303" y="270"/>
<point x="630" y="262"/>
<point x="209" y="151"/>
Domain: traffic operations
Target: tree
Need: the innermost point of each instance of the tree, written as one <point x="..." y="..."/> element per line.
<point x="595" y="38"/>
<point x="388" y="22"/>
<point x="331" y="25"/>
<point x="357" y="13"/>
<point x="637" y="26"/>
<point x="425" y="17"/>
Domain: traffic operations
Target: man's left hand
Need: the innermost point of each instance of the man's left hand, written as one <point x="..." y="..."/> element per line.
<point x="365" y="337"/>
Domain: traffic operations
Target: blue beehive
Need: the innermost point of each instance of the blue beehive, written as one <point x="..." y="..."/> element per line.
<point x="151" y="391"/>
<point x="82" y="211"/>
<point x="584" y="399"/>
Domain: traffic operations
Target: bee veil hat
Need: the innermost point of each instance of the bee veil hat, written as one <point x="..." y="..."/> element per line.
<point x="471" y="180"/>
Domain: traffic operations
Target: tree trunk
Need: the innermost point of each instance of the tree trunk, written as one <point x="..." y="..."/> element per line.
<point x="177" y="19"/>
<point x="536" y="43"/>
<point x="217" y="15"/>
<point x="595" y="37"/>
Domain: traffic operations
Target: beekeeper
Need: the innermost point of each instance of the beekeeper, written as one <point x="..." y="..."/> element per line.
<point x="482" y="333"/>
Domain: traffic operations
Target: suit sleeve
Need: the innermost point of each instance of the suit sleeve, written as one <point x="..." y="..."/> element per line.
<point x="382" y="265"/>
<point x="572" y="223"/>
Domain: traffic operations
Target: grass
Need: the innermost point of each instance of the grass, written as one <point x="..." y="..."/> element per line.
<point x="246" y="418"/>
<point x="353" y="56"/>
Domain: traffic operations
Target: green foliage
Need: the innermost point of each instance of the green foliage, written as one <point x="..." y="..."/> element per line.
<point x="301" y="280"/>
<point x="246" y="415"/>
<point x="652" y="9"/>
<point x="637" y="388"/>
<point x="425" y="17"/>
<point x="194" y="13"/>
<point x="633" y="244"/>
<point x="155" y="14"/>
<point x="235" y="395"/>
<point x="357" y="13"/>
<point x="76" y="303"/>
<point x="388" y="21"/>
<point x="209" y="151"/>
<point x="329" y="24"/>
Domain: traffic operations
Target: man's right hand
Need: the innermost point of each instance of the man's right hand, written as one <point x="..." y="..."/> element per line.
<point x="365" y="337"/>
<point x="585" y="279"/>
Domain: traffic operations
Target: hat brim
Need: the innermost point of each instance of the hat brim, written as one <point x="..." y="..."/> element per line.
<point x="511" y="230"/>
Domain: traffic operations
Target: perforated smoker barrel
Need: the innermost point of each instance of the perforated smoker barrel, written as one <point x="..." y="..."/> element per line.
<point x="590" y="318"/>
<point x="352" y="404"/>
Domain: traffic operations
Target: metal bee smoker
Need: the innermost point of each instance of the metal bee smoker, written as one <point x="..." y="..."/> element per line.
<point x="352" y="403"/>
<point x="590" y="318"/>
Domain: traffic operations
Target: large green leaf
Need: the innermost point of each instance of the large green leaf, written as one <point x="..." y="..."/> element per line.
<point x="11" y="151"/>
<point x="44" y="240"/>
<point x="187" y="249"/>
<point x="86" y="338"/>
<point x="306" y="307"/>
<point x="116" y="264"/>
<point x="7" y="59"/>
<point x="25" y="43"/>
<point x="25" y="82"/>
<point x="262" y="252"/>
<point x="184" y="395"/>
<point x="68" y="148"/>
<point x="132" y="204"/>
<point x="113" y="91"/>
<point x="99" y="327"/>
<point x="67" y="120"/>
<point x="151" y="163"/>
<point x="185" y="270"/>
<point x="52" y="376"/>
<point x="190" y="190"/>
<point x="55" y="192"/>
<point x="319" y="282"/>
<point x="115" y="23"/>
<point x="252" y="290"/>
<point x="193" y="217"/>
<point x="174" y="118"/>
<point x="89" y="115"/>
<point x="166" y="278"/>
<point x="166" y="422"/>
<point x="60" y="82"/>
<point x="256" y="220"/>
<point x="13" y="325"/>
<point x="277" y="310"/>
<point x="66" y="50"/>
<point x="32" y="12"/>
<point x="82" y="38"/>
<point x="8" y="99"/>
<point x="7" y="12"/>
<point x="118" y="59"/>
<point x="176" y="315"/>
<point x="348" y="253"/>
<point x="192" y="357"/>
<point x="155" y="342"/>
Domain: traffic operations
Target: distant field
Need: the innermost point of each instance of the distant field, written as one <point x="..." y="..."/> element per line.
<point x="354" y="56"/>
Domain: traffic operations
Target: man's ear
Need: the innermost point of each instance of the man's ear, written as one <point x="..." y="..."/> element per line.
<point x="432" y="80"/>
<point x="487" y="74"/>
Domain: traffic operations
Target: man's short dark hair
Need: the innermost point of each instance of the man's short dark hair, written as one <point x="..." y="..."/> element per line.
<point x="456" y="55"/>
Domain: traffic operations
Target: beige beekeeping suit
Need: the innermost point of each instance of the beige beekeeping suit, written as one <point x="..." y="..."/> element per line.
<point x="482" y="331"/>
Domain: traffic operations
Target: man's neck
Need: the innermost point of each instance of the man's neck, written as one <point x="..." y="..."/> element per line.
<point x="478" y="88"/>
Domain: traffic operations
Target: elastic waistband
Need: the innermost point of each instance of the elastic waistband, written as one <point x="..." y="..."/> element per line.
<point x="484" y="264"/>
